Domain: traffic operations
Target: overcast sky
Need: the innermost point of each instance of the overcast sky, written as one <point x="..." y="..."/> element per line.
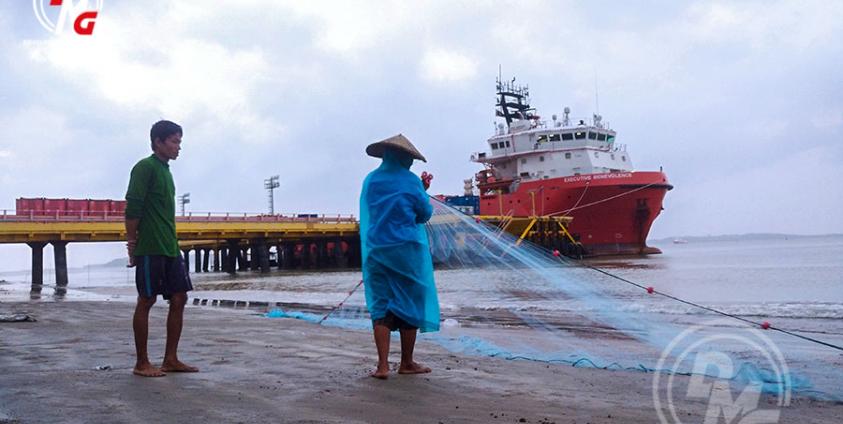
<point x="740" y="102"/>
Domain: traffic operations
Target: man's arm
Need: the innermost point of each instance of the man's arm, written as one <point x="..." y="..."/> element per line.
<point x="131" y="238"/>
<point x="135" y="198"/>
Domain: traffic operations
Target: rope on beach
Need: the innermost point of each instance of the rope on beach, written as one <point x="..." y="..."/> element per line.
<point x="339" y="305"/>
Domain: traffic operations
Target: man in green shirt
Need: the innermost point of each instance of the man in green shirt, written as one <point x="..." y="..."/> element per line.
<point x="154" y="249"/>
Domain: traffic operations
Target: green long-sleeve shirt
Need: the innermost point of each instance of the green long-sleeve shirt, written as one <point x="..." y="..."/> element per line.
<point x="151" y="198"/>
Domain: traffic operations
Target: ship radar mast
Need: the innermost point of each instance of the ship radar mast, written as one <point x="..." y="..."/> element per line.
<point x="513" y="102"/>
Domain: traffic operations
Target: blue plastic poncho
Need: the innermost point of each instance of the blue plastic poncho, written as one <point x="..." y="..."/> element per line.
<point x="397" y="266"/>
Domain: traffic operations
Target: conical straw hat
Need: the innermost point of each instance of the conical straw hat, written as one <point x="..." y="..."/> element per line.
<point x="398" y="142"/>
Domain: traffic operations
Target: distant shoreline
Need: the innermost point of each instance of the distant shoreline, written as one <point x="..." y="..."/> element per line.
<point x="743" y="237"/>
<point x="121" y="261"/>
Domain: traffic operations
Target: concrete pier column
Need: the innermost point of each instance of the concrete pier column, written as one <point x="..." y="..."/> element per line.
<point x="37" y="269"/>
<point x="353" y="253"/>
<point x="263" y="255"/>
<point x="242" y="258"/>
<point x="254" y="255"/>
<point x="339" y="256"/>
<point x="60" y="256"/>
<point x="37" y="265"/>
<point x="197" y="268"/>
<point x="305" y="255"/>
<point x="231" y="253"/>
<point x="285" y="256"/>
<point x="217" y="259"/>
<point x="206" y="259"/>
<point x="186" y="255"/>
<point x="242" y="265"/>
<point x="321" y="253"/>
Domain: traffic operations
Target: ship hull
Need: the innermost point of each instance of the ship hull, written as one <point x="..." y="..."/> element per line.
<point x="612" y="212"/>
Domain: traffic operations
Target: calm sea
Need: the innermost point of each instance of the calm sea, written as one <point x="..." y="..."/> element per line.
<point x="794" y="277"/>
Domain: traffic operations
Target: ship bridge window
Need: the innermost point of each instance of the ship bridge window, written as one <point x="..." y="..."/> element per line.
<point x="567" y="155"/>
<point x="610" y="138"/>
<point x="507" y="143"/>
<point x="542" y="138"/>
<point x="494" y="146"/>
<point x="579" y="135"/>
<point x="592" y="135"/>
<point x="554" y="137"/>
<point x="601" y="137"/>
<point x="567" y="136"/>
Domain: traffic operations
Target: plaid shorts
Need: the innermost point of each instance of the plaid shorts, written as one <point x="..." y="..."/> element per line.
<point x="164" y="275"/>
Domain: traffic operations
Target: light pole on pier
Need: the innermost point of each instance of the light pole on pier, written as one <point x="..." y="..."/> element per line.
<point x="183" y="200"/>
<point x="271" y="184"/>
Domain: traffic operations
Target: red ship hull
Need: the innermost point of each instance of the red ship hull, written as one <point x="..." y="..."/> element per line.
<point x="612" y="213"/>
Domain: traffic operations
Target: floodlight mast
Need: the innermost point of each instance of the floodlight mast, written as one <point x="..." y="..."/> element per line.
<point x="271" y="184"/>
<point x="183" y="200"/>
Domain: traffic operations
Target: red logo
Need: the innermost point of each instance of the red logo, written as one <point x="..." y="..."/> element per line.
<point x="80" y="13"/>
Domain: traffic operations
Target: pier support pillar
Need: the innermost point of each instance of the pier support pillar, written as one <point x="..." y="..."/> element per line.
<point x="254" y="255"/>
<point x="206" y="259"/>
<point x="217" y="259"/>
<point x="353" y="252"/>
<point x="285" y="256"/>
<point x="305" y="255"/>
<point x="231" y="257"/>
<point x="186" y="255"/>
<point x="260" y="250"/>
<point x="37" y="265"/>
<point x="339" y="257"/>
<point x="197" y="262"/>
<point x="242" y="265"/>
<point x="321" y="254"/>
<point x="60" y="256"/>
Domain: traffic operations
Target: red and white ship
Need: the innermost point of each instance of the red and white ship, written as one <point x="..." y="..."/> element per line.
<point x="566" y="168"/>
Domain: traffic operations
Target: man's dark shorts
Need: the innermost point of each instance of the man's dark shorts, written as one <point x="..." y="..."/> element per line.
<point x="393" y="322"/>
<point x="164" y="275"/>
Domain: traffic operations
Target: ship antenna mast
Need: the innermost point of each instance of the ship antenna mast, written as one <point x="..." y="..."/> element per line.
<point x="596" y="95"/>
<point x="513" y="101"/>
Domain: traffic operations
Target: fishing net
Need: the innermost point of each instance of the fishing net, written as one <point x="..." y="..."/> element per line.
<point x="506" y="298"/>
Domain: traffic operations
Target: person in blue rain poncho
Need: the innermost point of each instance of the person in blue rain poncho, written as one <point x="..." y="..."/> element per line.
<point x="397" y="265"/>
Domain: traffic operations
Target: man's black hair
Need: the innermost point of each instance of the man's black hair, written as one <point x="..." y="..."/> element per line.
<point x="163" y="129"/>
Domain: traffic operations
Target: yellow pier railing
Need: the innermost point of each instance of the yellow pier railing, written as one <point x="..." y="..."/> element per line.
<point x="27" y="229"/>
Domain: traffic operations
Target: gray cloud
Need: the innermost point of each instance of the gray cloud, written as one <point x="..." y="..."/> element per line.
<point x="741" y="103"/>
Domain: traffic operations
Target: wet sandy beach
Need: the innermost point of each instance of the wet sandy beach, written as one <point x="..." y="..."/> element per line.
<point x="283" y="370"/>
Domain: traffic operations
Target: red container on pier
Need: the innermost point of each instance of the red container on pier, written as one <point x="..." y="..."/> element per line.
<point x="81" y="208"/>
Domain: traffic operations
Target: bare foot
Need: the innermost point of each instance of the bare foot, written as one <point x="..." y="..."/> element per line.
<point x="147" y="371"/>
<point x="177" y="366"/>
<point x="382" y="373"/>
<point x="413" y="368"/>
